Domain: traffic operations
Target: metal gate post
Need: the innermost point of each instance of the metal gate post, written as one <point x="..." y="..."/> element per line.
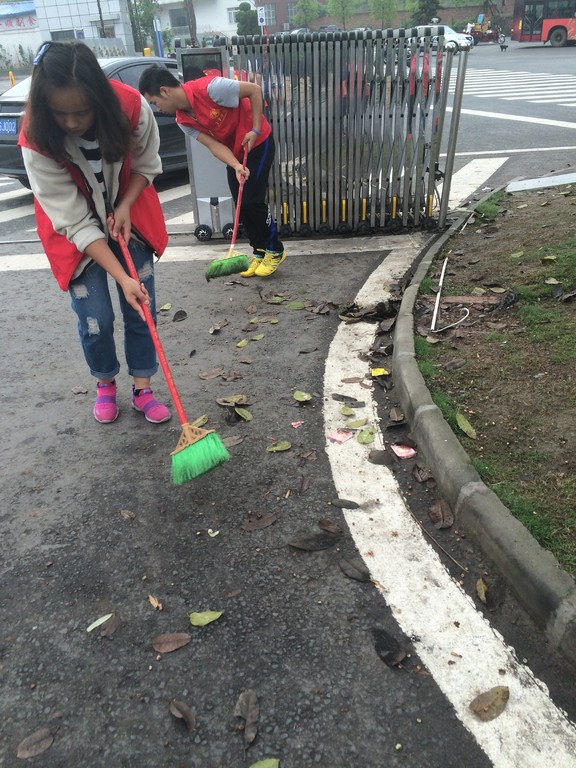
<point x="453" y="135"/>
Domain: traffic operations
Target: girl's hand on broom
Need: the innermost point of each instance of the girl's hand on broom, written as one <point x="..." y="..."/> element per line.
<point x="135" y="294"/>
<point x="119" y="223"/>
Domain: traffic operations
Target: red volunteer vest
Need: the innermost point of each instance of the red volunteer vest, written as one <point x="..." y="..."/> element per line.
<point x="226" y="125"/>
<point x="146" y="214"/>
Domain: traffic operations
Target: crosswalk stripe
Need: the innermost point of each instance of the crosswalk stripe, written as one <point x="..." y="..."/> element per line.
<point x="16" y="213"/>
<point x="15" y="194"/>
<point x="520" y="86"/>
<point x="465" y="181"/>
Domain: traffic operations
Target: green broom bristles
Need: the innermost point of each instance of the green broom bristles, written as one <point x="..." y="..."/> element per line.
<point x="201" y="456"/>
<point x="228" y="266"/>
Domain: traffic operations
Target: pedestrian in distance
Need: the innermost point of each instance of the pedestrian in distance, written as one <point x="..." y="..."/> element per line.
<point x="90" y="148"/>
<point x="226" y="116"/>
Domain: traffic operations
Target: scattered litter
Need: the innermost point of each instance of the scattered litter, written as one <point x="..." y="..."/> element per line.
<point x="403" y="451"/>
<point x="297" y="424"/>
<point x="340" y="436"/>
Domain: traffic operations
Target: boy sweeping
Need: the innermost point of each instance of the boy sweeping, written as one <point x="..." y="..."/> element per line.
<point x="226" y="115"/>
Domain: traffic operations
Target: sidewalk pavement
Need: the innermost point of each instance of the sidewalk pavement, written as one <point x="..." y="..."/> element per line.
<point x="546" y="591"/>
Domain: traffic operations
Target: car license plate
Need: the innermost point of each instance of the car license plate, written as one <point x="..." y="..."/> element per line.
<point x="8" y="126"/>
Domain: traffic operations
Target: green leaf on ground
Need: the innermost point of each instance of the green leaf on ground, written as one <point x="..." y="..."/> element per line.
<point x="366" y="436"/>
<point x="203" y="618"/>
<point x="282" y="445"/>
<point x="356" y="424"/>
<point x="244" y="414"/>
<point x="99" y="622"/>
<point x="465" y="425"/>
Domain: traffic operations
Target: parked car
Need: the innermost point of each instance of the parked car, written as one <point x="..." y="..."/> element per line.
<point x="299" y="31"/>
<point x="450" y="35"/>
<point x="126" y="69"/>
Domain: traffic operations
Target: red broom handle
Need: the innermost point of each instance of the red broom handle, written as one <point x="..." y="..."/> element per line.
<point x="155" y="338"/>
<point x="238" y="203"/>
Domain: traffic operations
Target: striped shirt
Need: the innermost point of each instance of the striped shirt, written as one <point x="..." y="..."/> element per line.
<point x="93" y="155"/>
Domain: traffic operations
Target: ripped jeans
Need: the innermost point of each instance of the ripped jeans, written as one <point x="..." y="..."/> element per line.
<point x="92" y="303"/>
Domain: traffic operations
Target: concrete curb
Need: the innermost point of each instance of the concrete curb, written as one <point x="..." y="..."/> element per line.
<point x="546" y="591"/>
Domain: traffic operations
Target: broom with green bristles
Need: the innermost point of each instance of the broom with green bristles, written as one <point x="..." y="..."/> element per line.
<point x="234" y="262"/>
<point x="198" y="450"/>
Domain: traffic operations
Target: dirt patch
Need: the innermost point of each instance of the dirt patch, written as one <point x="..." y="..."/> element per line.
<point x="508" y="364"/>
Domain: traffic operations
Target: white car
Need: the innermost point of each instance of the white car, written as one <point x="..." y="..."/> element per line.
<point x="450" y="35"/>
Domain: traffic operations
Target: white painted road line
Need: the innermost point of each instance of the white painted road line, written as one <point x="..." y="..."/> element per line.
<point x="174" y="193"/>
<point x="466" y="181"/>
<point x="529" y="150"/>
<point x="462" y="652"/>
<point x="15" y="194"/>
<point x="517" y="118"/>
<point x="16" y="213"/>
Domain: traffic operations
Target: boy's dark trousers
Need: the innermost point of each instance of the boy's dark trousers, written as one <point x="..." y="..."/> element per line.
<point x="259" y="227"/>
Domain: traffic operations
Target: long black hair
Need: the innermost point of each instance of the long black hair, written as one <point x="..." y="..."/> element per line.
<point x="73" y="65"/>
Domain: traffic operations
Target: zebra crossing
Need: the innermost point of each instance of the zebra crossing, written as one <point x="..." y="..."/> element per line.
<point x="520" y="86"/>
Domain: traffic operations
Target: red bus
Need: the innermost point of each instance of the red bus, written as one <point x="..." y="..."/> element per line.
<point x="545" y="20"/>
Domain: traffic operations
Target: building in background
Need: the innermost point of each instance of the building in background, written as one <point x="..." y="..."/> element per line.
<point x="104" y="25"/>
<point x="19" y="35"/>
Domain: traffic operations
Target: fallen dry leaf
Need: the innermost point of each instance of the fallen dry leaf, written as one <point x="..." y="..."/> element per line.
<point x="389" y="649"/>
<point x="488" y="705"/>
<point x="213" y="373"/>
<point x="170" y="641"/>
<point x="35" y="744"/>
<point x="247" y="710"/>
<point x="354" y="569"/>
<point x="232" y="440"/>
<point x="258" y="522"/>
<point x="183" y="712"/>
<point x="441" y="514"/>
<point x="481" y="589"/>
<point x="344" y="504"/>
<point x="110" y="626"/>
<point x="155" y="603"/>
<point x="328" y="525"/>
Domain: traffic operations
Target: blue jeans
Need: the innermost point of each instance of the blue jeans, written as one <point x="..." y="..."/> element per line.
<point x="92" y="303"/>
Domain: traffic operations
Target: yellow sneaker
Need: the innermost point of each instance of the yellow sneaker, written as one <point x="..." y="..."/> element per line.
<point x="253" y="266"/>
<point x="270" y="263"/>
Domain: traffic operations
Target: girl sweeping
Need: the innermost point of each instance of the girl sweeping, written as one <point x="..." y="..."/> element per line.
<point x="90" y="147"/>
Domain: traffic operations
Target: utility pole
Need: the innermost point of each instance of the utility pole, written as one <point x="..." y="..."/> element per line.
<point x="189" y="5"/>
<point x="102" y="30"/>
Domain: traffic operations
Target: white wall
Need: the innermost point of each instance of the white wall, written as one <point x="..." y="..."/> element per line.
<point x="21" y="30"/>
<point x="211" y="16"/>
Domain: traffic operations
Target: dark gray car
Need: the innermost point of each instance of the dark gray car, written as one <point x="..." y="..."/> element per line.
<point x="126" y="69"/>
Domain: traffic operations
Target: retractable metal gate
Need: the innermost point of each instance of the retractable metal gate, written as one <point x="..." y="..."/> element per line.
<point x="359" y="121"/>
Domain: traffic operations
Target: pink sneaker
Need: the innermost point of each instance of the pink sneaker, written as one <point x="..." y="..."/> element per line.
<point x="146" y="403"/>
<point x="105" y="408"/>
